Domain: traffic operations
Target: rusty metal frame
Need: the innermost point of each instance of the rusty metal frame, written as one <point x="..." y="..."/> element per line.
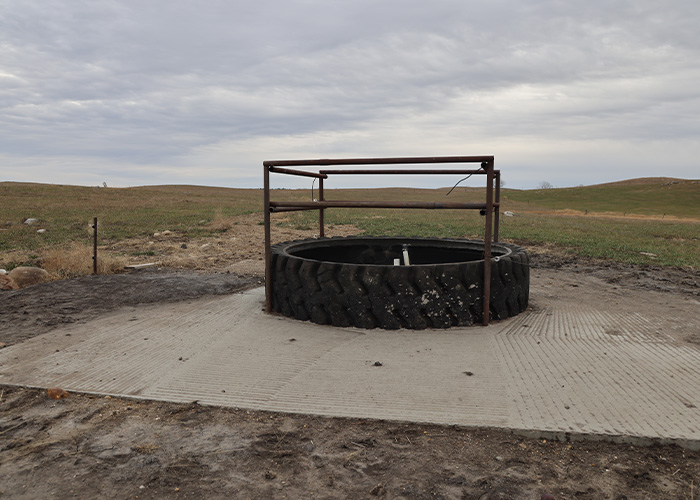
<point x="490" y="207"/>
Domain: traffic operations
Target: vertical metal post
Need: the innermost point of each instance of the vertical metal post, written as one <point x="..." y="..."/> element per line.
<point x="268" y="253"/>
<point x="497" y="215"/>
<point x="321" y="211"/>
<point x="487" y="241"/>
<point x="94" y="246"/>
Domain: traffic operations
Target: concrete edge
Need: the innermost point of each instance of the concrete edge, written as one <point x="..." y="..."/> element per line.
<point x="559" y="436"/>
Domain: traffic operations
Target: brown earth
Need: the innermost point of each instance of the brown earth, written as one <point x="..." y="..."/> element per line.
<point x="87" y="446"/>
<point x="238" y="248"/>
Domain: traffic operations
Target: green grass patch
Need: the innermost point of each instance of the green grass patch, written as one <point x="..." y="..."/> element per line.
<point x="653" y="197"/>
<point x="674" y="242"/>
<point x="67" y="212"/>
<point x="618" y="239"/>
<point x="194" y="211"/>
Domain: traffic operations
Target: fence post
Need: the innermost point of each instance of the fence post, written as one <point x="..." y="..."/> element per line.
<point x="94" y="246"/>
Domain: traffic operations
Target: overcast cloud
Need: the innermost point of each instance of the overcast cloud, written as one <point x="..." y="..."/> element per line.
<point x="201" y="92"/>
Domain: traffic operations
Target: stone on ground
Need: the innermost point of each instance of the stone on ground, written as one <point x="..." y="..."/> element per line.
<point x="26" y="276"/>
<point x="7" y="283"/>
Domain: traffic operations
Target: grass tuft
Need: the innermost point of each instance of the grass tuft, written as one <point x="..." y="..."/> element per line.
<point x="75" y="260"/>
<point x="220" y="223"/>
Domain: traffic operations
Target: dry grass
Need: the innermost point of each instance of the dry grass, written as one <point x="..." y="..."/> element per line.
<point x="220" y="223"/>
<point x="76" y="260"/>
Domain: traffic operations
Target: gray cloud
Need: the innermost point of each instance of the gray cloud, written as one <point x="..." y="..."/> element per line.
<point x="202" y="92"/>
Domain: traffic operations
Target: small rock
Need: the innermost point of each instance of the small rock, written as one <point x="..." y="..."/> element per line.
<point x="469" y="374"/>
<point x="269" y="475"/>
<point x="377" y="363"/>
<point x="377" y="491"/>
<point x="206" y="246"/>
<point x="183" y="246"/>
<point x="3" y="271"/>
<point x="499" y="459"/>
<point x="26" y="276"/>
<point x="155" y="235"/>
<point x="7" y="283"/>
<point x="508" y="213"/>
<point x="56" y="393"/>
<point x="166" y="232"/>
<point x="41" y="231"/>
<point x="31" y="220"/>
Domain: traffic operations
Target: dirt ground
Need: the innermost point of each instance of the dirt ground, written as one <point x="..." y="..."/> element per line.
<point x="87" y="446"/>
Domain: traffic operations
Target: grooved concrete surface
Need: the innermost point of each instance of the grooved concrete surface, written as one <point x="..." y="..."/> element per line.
<point x="560" y="368"/>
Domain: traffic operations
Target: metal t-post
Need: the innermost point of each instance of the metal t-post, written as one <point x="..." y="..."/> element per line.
<point x="94" y="246"/>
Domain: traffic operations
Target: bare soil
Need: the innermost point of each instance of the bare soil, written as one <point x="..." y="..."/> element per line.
<point x="87" y="446"/>
<point x="94" y="447"/>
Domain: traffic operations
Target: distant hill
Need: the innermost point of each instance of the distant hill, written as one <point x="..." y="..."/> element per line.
<point x="647" y="180"/>
<point x="651" y="196"/>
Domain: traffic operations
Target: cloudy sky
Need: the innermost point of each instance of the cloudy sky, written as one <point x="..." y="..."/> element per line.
<point x="201" y="92"/>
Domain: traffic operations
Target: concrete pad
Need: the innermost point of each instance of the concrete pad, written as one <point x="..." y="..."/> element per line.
<point x="561" y="368"/>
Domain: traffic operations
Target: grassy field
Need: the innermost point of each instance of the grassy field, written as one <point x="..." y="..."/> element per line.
<point x="623" y="221"/>
<point x="652" y="197"/>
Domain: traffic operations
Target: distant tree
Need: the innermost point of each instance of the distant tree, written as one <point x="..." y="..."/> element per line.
<point x="503" y="183"/>
<point x="545" y="185"/>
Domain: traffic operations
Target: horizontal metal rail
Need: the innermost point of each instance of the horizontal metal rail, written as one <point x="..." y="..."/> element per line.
<point x="277" y="210"/>
<point x="377" y="204"/>
<point x="302" y="173"/>
<point x="401" y="172"/>
<point x="378" y="161"/>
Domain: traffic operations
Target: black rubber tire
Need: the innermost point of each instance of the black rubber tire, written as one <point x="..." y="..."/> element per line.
<point x="369" y="295"/>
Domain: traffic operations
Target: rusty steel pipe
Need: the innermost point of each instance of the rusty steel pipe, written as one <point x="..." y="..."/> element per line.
<point x="268" y="251"/>
<point x="378" y="161"/>
<point x="497" y="204"/>
<point x="321" y="211"/>
<point x="301" y="173"/>
<point x="487" y="244"/>
<point x="401" y="172"/>
<point x="315" y="205"/>
<point x="278" y="210"/>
